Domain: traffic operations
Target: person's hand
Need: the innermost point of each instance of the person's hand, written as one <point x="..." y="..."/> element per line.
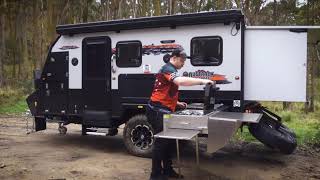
<point x="182" y="105"/>
<point x="207" y="81"/>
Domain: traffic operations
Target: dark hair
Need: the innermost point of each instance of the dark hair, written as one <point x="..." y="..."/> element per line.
<point x="179" y="53"/>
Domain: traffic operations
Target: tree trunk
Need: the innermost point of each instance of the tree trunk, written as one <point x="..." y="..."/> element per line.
<point x="14" y="66"/>
<point x="103" y="10"/>
<point x="20" y="26"/>
<point x="42" y="44"/>
<point x="143" y="8"/>
<point x="170" y="7"/>
<point x="51" y="19"/>
<point x="134" y="8"/>
<point x="275" y="13"/>
<point x="25" y="53"/>
<point x="309" y="104"/>
<point x="85" y="12"/>
<point x="120" y="10"/>
<point x="287" y="105"/>
<point x="312" y="78"/>
<point x="181" y="6"/>
<point x="107" y="10"/>
<point x="115" y="8"/>
<point x="36" y="36"/>
<point x="157" y="7"/>
<point x="13" y="38"/>
<point x="314" y="63"/>
<point x="200" y="5"/>
<point x="3" y="42"/>
<point x="64" y="18"/>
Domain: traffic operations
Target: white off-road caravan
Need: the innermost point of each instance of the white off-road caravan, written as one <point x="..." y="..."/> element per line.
<point x="101" y="75"/>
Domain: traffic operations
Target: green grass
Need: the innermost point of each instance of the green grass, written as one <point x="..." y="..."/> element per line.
<point x="17" y="107"/>
<point x="306" y="126"/>
<point x="12" y="101"/>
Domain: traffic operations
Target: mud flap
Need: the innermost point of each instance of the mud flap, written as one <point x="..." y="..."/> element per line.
<point x="40" y="123"/>
<point x="32" y="102"/>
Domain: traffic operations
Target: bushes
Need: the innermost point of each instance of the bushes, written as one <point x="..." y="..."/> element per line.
<point x="287" y="116"/>
<point x="12" y="100"/>
<point x="10" y="95"/>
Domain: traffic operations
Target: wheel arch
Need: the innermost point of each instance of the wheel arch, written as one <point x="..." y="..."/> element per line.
<point x="130" y="112"/>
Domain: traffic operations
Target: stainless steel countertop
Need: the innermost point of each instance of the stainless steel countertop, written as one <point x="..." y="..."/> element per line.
<point x="181" y="134"/>
<point x="232" y="116"/>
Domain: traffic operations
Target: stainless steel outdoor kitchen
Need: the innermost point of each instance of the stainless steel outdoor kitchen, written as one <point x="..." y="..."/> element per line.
<point x="208" y="119"/>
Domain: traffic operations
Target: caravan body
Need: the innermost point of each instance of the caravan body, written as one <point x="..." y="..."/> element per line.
<point x="101" y="74"/>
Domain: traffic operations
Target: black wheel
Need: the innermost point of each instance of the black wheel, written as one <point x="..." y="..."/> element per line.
<point x="277" y="124"/>
<point x="282" y="127"/>
<point x="138" y="136"/>
<point x="274" y="136"/>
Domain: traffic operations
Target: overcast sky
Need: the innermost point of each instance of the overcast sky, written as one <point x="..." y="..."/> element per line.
<point x="300" y="1"/>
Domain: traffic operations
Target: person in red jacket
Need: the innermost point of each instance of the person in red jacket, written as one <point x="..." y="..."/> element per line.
<point x="164" y="100"/>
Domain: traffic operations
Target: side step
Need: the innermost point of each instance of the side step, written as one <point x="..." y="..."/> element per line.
<point x="97" y="134"/>
<point x="99" y="131"/>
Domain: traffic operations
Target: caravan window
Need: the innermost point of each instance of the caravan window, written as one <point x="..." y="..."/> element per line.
<point x="128" y="54"/>
<point x="95" y="51"/>
<point x="206" y="51"/>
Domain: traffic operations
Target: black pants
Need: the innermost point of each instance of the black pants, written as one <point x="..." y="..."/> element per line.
<point x="163" y="149"/>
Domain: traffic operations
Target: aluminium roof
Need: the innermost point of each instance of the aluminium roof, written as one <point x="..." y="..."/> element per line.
<point x="172" y="21"/>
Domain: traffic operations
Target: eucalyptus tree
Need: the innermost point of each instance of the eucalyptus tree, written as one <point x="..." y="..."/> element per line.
<point x="3" y="7"/>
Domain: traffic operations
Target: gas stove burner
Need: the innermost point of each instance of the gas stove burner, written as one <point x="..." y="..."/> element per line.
<point x="190" y="112"/>
<point x="196" y="106"/>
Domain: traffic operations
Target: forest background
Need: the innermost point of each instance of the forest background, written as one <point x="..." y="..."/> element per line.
<point x="27" y="28"/>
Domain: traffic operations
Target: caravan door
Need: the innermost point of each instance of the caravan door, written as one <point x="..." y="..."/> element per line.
<point x="97" y="80"/>
<point x="275" y="66"/>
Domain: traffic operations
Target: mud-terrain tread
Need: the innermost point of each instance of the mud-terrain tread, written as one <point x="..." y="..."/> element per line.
<point x="282" y="138"/>
<point x="133" y="122"/>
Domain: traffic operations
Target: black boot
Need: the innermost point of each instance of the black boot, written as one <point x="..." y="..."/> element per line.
<point x="158" y="177"/>
<point x="171" y="173"/>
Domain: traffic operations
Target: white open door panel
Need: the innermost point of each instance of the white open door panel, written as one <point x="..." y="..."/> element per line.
<point x="275" y="64"/>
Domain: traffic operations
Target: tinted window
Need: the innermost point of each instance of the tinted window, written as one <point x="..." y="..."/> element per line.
<point x="129" y="54"/>
<point x="206" y="51"/>
<point x="96" y="58"/>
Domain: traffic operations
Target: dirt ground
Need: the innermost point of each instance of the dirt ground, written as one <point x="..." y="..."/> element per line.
<point x="49" y="155"/>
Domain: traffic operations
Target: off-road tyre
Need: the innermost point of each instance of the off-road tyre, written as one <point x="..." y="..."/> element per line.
<point x="138" y="136"/>
<point x="289" y="131"/>
<point x="277" y="124"/>
<point x="277" y="137"/>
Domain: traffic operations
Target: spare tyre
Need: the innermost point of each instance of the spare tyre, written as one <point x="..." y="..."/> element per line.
<point x="277" y="124"/>
<point x="282" y="127"/>
<point x="276" y="137"/>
